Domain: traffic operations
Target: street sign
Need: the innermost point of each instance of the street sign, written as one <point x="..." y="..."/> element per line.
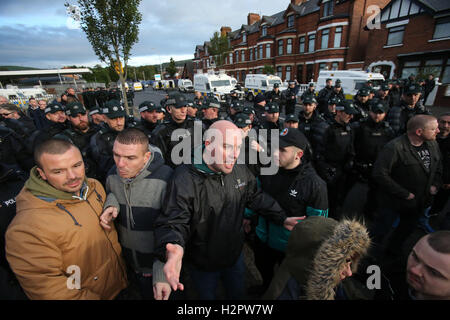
<point x="157" y="77"/>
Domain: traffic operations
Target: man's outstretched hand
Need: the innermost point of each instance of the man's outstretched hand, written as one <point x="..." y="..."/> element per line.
<point x="290" y="222"/>
<point x="172" y="268"/>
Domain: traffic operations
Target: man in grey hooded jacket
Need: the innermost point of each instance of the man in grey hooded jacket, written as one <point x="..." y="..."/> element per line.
<point x="135" y="188"/>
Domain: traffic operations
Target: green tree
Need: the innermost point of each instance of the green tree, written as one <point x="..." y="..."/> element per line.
<point x="171" y="68"/>
<point x="268" y="69"/>
<point x="219" y="48"/>
<point x="112" y="28"/>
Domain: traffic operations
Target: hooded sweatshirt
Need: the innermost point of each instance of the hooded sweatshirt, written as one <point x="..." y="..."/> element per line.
<point x="55" y="239"/>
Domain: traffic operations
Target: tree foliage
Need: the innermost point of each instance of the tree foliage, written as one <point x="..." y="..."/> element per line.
<point x="112" y="28"/>
<point x="219" y="48"/>
<point x="171" y="69"/>
<point x="268" y="69"/>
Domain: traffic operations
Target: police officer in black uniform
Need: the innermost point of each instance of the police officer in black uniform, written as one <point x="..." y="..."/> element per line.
<point x="311" y="123"/>
<point x="102" y="142"/>
<point x="275" y="95"/>
<point x="149" y="118"/>
<point x="309" y="93"/>
<point x="338" y="92"/>
<point x="101" y="97"/>
<point x="256" y="124"/>
<point x="361" y="103"/>
<point x="80" y="133"/>
<point x="371" y="134"/>
<point x="383" y="95"/>
<point x="176" y="105"/>
<point x="210" y="113"/>
<point x="334" y="155"/>
<point x="56" y="123"/>
<point x="235" y="108"/>
<point x="291" y="97"/>
<point x="89" y="98"/>
<point x="324" y="95"/>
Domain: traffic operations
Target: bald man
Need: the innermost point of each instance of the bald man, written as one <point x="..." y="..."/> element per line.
<point x="408" y="172"/>
<point x="205" y="203"/>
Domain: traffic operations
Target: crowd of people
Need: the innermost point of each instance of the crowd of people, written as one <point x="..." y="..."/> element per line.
<point x="96" y="204"/>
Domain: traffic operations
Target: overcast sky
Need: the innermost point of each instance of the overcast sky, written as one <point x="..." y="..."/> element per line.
<point x="36" y="33"/>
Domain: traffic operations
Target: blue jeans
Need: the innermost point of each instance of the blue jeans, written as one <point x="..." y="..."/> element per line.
<point x="233" y="280"/>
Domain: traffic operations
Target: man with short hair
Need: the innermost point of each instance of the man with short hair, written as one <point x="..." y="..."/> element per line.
<point x="428" y="268"/>
<point x="309" y="93"/>
<point x="337" y="91"/>
<point x="138" y="173"/>
<point x="408" y="172"/>
<point x="55" y="244"/>
<point x="192" y="110"/>
<point x="291" y="97"/>
<point x="291" y="121"/>
<point x="56" y="123"/>
<point x="361" y="102"/>
<point x="274" y="95"/>
<point x="259" y="104"/>
<point x="210" y="113"/>
<point x="37" y="114"/>
<point x="311" y="123"/>
<point x="203" y="211"/>
<point x="383" y="95"/>
<point x="97" y="116"/>
<point x="324" y="95"/>
<point x="149" y="117"/>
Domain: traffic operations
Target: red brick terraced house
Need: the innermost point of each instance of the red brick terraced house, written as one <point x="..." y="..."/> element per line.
<point x="309" y="35"/>
<point x="413" y="38"/>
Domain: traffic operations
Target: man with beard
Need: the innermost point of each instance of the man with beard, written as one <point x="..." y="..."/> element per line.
<point x="324" y="95"/>
<point x="80" y="134"/>
<point x="149" y="117"/>
<point x="361" y="102"/>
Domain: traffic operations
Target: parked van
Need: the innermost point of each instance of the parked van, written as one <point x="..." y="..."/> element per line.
<point x="137" y="86"/>
<point x="185" y="85"/>
<point x="351" y="80"/>
<point x="169" y="84"/>
<point x="214" y="86"/>
<point x="256" y="84"/>
<point x="158" y="85"/>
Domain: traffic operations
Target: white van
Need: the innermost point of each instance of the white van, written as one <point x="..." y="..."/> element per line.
<point x="158" y="85"/>
<point x="137" y="86"/>
<point x="169" y="84"/>
<point x="212" y="85"/>
<point x="351" y="80"/>
<point x="185" y="85"/>
<point x="259" y="84"/>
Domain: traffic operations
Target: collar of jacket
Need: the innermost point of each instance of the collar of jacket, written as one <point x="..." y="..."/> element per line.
<point x="44" y="191"/>
<point x="199" y="164"/>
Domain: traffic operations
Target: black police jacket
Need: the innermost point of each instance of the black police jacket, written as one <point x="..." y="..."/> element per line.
<point x="274" y="97"/>
<point x="46" y="133"/>
<point x="313" y="128"/>
<point x="13" y="150"/>
<point x="203" y="212"/>
<point x="399" y="116"/>
<point x="162" y="137"/>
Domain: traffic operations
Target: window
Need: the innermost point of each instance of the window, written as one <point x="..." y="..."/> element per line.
<point x="322" y="66"/>
<point x="251" y="55"/>
<point x="442" y="29"/>
<point x="433" y="66"/>
<point x="302" y="45"/>
<point x="410" y="67"/>
<point x="256" y="53"/>
<point x="446" y="74"/>
<point x="288" y="73"/>
<point x="243" y="55"/>
<point x="264" y="31"/>
<point x="311" y="40"/>
<point x="327" y="8"/>
<point x="337" y="37"/>
<point x="261" y="51"/>
<point x="280" y="47"/>
<point x="267" y="50"/>
<point x="395" y="35"/>
<point x="263" y="83"/>
<point x="335" y="66"/>
<point x="291" y="21"/>
<point x="231" y="58"/>
<point x="325" y="35"/>
<point x="280" y="72"/>
<point x="237" y="56"/>
<point x="289" y="46"/>
<point x="244" y="37"/>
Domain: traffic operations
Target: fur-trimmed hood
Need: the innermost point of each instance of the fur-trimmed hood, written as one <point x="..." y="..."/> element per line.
<point x="350" y="240"/>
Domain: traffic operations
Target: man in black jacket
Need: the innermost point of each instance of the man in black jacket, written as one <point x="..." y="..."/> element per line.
<point x="324" y="95"/>
<point x="408" y="172"/>
<point x="203" y="212"/>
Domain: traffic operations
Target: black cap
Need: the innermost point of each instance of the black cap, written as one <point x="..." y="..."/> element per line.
<point x="237" y="105"/>
<point x="292" y="82"/>
<point x="338" y="81"/>
<point x="113" y="109"/>
<point x="74" y="108"/>
<point x="347" y="106"/>
<point x="242" y="120"/>
<point x="272" y="107"/>
<point x="211" y="104"/>
<point x="276" y="85"/>
<point x="54" y="107"/>
<point x="384" y="87"/>
<point x="94" y="111"/>
<point x="309" y="100"/>
<point x="333" y="100"/>
<point x="311" y="84"/>
<point x="248" y="110"/>
<point x="293" y="137"/>
<point x="378" y="106"/>
<point x="291" y="118"/>
<point x="363" y="92"/>
<point x="337" y="85"/>
<point x="177" y="100"/>
<point x="328" y="79"/>
<point x="147" y="106"/>
<point x="413" y="88"/>
<point x="260" y="98"/>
